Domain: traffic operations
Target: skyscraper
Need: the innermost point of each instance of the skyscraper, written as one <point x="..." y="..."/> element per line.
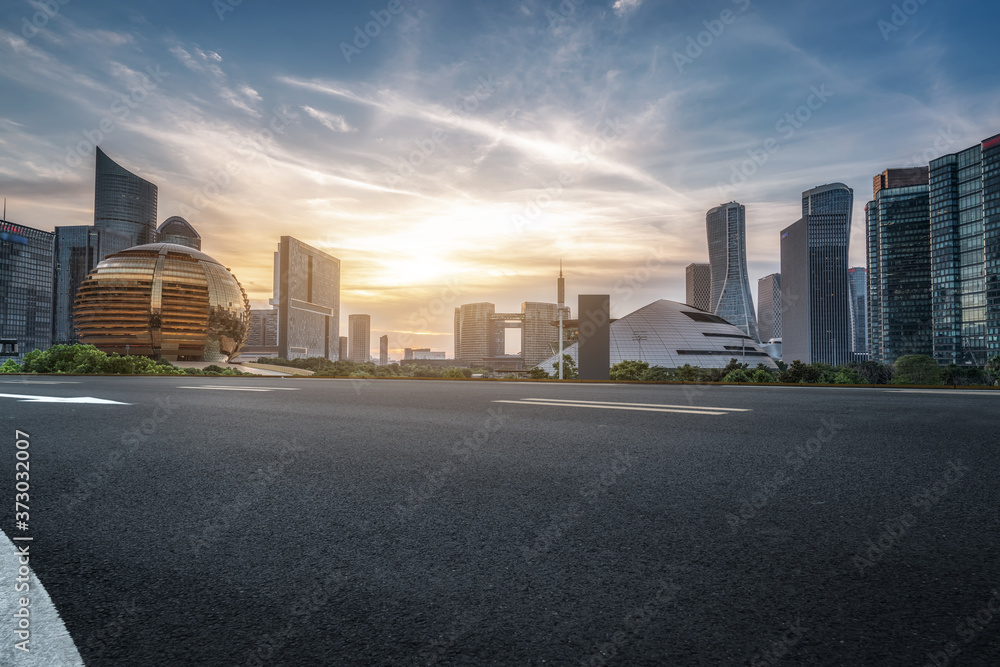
<point x="537" y="331"/>
<point x="965" y="254"/>
<point x="343" y="349"/>
<point x="815" y="296"/>
<point x="383" y="350"/>
<point x="78" y="251"/>
<point x="769" y="307"/>
<point x="307" y="294"/>
<point x="899" y="251"/>
<point x="26" y="278"/>
<point x="727" y="254"/>
<point x="359" y="331"/>
<point x="176" y="229"/>
<point x="123" y="202"/>
<point x="698" y="284"/>
<point x="474" y="335"/>
<point x="858" y="279"/>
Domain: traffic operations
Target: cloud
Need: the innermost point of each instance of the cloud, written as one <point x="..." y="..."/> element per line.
<point x="333" y="122"/>
<point x="623" y="7"/>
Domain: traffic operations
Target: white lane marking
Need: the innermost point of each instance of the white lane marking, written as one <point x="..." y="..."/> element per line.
<point x="968" y="392"/>
<point x="613" y="407"/>
<point x="649" y="405"/>
<point x="38" y="382"/>
<point x="49" y="643"/>
<point x="25" y="398"/>
<point x="225" y="388"/>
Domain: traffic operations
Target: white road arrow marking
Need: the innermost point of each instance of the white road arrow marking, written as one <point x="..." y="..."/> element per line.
<point x="25" y="398"/>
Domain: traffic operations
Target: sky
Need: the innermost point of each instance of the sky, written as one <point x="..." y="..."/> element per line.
<point x="453" y="152"/>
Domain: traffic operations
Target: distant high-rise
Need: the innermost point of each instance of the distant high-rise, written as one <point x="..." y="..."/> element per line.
<point x="78" y="251"/>
<point x="26" y="277"/>
<point x="899" y="254"/>
<point x="307" y="294"/>
<point x="474" y="336"/>
<point x="176" y="229"/>
<point x="124" y="202"/>
<point x="698" y="284"/>
<point x="727" y="254"/>
<point x="858" y="279"/>
<point x="262" y="335"/>
<point x="537" y="331"/>
<point x="383" y="350"/>
<point x="965" y="254"/>
<point x="343" y="349"/>
<point x="815" y="295"/>
<point x="359" y="331"/>
<point x="769" y="307"/>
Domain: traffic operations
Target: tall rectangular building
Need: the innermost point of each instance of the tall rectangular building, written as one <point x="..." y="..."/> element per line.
<point x="815" y="294"/>
<point x="78" y="250"/>
<point x="899" y="252"/>
<point x="965" y="254"/>
<point x="343" y="349"/>
<point x="769" y="307"/>
<point x="383" y="350"/>
<point x="698" y="286"/>
<point x="307" y="294"/>
<point x="474" y="333"/>
<point x="858" y="279"/>
<point x="359" y="331"/>
<point x="26" y="283"/>
<point x="537" y="331"/>
<point x="262" y="334"/>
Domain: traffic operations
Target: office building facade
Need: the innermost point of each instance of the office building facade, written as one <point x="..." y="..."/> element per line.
<point x="965" y="254"/>
<point x="307" y="295"/>
<point x="262" y="336"/>
<point x="858" y="280"/>
<point x="538" y="331"/>
<point x="475" y="340"/>
<point x="383" y="351"/>
<point x="78" y="250"/>
<point x="26" y="290"/>
<point x="698" y="286"/>
<point x="727" y="255"/>
<point x="124" y="202"/>
<point x="899" y="276"/>
<point x="176" y="229"/>
<point x="359" y="332"/>
<point x="815" y="294"/>
<point x="342" y="356"/>
<point x="769" y="307"/>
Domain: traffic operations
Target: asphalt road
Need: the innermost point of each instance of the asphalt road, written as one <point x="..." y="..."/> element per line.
<point x="336" y="522"/>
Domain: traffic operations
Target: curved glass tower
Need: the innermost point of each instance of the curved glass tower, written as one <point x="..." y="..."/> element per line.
<point x="727" y="255"/>
<point x="123" y="202"/>
<point x="176" y="229"/>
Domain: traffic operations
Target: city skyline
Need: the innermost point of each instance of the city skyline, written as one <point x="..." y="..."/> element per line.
<point x="184" y="91"/>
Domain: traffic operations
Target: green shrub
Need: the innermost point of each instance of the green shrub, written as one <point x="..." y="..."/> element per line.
<point x="916" y="369"/>
<point x="737" y="375"/>
<point x="762" y="375"/>
<point x="628" y="370"/>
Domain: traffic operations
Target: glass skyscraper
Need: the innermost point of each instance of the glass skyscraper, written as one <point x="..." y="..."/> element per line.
<point x="858" y="277"/>
<point x="78" y="251"/>
<point x="727" y="254"/>
<point x="123" y="202"/>
<point x="769" y="307"/>
<point x="899" y="250"/>
<point x="815" y="294"/>
<point x="26" y="278"/>
<point x="176" y="229"/>
<point x="965" y="254"/>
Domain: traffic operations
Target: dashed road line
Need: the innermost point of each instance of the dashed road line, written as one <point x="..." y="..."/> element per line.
<point x="639" y="407"/>
<point x="648" y="405"/>
<point x="227" y="388"/>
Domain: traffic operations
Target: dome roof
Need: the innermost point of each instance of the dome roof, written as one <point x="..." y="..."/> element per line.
<point x="163" y="300"/>
<point x="671" y="334"/>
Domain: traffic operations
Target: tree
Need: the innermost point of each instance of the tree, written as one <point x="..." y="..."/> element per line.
<point x="537" y="373"/>
<point x="800" y="373"/>
<point x="738" y="375"/>
<point x="10" y="366"/>
<point x="687" y="373"/>
<point x="569" y="368"/>
<point x="762" y="375"/>
<point x="847" y="376"/>
<point x="916" y="369"/>
<point x="656" y="374"/>
<point x="993" y="368"/>
<point x="628" y="370"/>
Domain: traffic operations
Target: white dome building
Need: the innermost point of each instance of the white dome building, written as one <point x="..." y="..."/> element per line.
<point x="670" y="334"/>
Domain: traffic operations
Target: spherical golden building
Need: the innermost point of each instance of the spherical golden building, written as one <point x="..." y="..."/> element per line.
<point x="165" y="301"/>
